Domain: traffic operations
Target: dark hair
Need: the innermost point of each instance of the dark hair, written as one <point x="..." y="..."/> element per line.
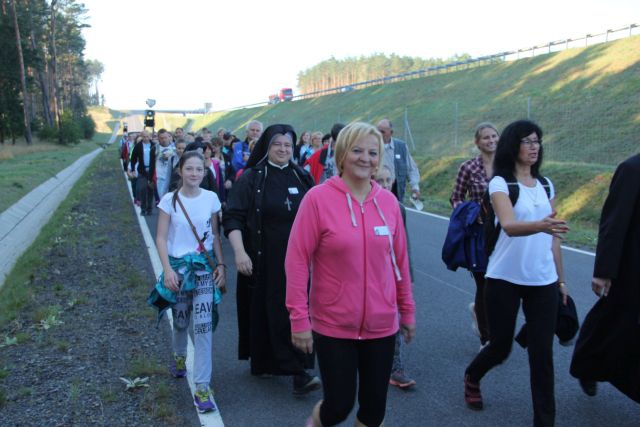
<point x="186" y="156"/>
<point x="335" y="130"/>
<point x="199" y="139"/>
<point x="161" y="131"/>
<point x="326" y="137"/>
<point x="193" y="146"/>
<point x="504" y="162"/>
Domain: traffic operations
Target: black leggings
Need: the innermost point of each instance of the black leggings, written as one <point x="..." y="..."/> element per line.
<point x="540" y="306"/>
<point x="481" y="313"/>
<point x="342" y="363"/>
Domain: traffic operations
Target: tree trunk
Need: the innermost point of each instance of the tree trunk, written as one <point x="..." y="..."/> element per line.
<point x="54" y="84"/>
<point x="23" y="80"/>
<point x="44" y="87"/>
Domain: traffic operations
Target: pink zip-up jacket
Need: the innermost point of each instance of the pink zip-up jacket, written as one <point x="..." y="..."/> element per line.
<point x="357" y="256"/>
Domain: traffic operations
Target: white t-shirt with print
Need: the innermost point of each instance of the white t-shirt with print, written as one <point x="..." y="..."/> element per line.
<point x="181" y="240"/>
<point x="524" y="260"/>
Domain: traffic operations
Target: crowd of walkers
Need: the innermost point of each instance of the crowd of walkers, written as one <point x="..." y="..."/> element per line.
<point x="318" y="230"/>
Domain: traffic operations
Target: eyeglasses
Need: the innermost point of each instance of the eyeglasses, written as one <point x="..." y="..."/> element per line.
<point x="530" y="142"/>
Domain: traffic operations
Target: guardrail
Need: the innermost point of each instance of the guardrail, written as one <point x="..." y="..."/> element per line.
<point x="549" y="47"/>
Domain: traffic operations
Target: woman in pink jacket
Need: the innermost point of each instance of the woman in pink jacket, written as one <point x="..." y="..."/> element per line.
<point x="349" y="236"/>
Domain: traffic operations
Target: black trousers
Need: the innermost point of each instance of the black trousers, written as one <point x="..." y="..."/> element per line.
<point x="145" y="193"/>
<point x="349" y="364"/>
<point x="540" y="306"/>
<point x="481" y="312"/>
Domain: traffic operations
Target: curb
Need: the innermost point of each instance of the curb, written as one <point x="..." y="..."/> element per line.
<point x="21" y="223"/>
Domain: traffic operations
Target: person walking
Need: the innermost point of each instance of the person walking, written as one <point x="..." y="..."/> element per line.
<point x="260" y="211"/>
<point x="399" y="377"/>
<point x="398" y="159"/>
<point x="143" y="163"/>
<point x="360" y="291"/>
<point x="471" y="183"/>
<point x="608" y="347"/>
<point x="187" y="271"/>
<point x="526" y="265"/>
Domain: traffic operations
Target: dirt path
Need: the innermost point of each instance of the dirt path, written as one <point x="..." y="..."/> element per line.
<point x="84" y="322"/>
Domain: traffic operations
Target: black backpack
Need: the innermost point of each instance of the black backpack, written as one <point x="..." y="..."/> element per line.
<point x="491" y="230"/>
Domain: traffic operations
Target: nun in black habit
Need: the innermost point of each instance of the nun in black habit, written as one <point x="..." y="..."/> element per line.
<point x="260" y="211"/>
<point x="608" y="347"/>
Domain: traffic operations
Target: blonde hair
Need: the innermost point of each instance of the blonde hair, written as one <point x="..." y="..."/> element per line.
<point x="351" y="134"/>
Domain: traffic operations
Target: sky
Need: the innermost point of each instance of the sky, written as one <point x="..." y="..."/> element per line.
<point x="183" y="53"/>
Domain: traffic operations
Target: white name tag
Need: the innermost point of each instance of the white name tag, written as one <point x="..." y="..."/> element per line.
<point x="397" y="156"/>
<point x="293" y="190"/>
<point x="382" y="230"/>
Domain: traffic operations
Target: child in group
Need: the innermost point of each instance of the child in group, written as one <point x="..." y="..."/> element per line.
<point x="398" y="376"/>
<point x="188" y="273"/>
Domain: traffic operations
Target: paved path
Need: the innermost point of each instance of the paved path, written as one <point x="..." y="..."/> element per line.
<point x="444" y="345"/>
<point x="22" y="222"/>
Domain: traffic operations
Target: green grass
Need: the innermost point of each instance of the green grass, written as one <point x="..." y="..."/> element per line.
<point x="21" y="174"/>
<point x="17" y="290"/>
<point x="23" y="167"/>
<point x="142" y="366"/>
<point x="585" y="100"/>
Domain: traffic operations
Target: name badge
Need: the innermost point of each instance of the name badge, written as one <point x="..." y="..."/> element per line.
<point x="398" y="156"/>
<point x="381" y="230"/>
<point x="293" y="190"/>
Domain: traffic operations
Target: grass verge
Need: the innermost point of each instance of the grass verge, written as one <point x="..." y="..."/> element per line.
<point x="23" y="168"/>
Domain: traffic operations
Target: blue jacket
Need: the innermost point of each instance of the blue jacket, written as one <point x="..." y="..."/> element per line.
<point x="464" y="244"/>
<point x="239" y="149"/>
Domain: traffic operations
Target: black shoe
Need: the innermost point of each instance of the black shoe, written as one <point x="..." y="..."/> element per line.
<point x="304" y="383"/>
<point x="590" y="388"/>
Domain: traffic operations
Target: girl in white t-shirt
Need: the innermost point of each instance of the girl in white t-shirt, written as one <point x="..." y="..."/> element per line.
<point x="526" y="265"/>
<point x="187" y="272"/>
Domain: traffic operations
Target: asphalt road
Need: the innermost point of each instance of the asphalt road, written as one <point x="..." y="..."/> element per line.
<point x="444" y="345"/>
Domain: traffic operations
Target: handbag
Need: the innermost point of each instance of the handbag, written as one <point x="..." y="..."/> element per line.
<point x="210" y="260"/>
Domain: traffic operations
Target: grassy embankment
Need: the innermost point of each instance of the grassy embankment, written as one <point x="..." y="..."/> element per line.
<point x="585" y="99"/>
<point x="23" y="167"/>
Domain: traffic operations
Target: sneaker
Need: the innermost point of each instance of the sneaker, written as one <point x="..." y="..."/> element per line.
<point x="472" y="396"/>
<point x="178" y="367"/>
<point x="474" y="319"/>
<point x="400" y="380"/>
<point x="202" y="400"/>
<point x="304" y="383"/>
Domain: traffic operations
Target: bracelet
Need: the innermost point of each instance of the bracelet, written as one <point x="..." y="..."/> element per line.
<point x="221" y="265"/>
<point x="562" y="284"/>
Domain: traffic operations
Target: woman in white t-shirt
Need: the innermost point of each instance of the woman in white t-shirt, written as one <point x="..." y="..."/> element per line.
<point x="526" y="265"/>
<point x="186" y="271"/>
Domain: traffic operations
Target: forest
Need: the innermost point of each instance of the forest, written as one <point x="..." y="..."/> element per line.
<point x="46" y="83"/>
<point x="333" y="72"/>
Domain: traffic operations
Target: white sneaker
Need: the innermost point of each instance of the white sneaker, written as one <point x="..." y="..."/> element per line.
<point x="474" y="319"/>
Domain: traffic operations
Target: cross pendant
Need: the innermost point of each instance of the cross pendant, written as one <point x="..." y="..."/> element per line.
<point x="288" y="203"/>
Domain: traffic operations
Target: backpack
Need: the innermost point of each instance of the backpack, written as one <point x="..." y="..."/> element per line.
<point x="491" y="230"/>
